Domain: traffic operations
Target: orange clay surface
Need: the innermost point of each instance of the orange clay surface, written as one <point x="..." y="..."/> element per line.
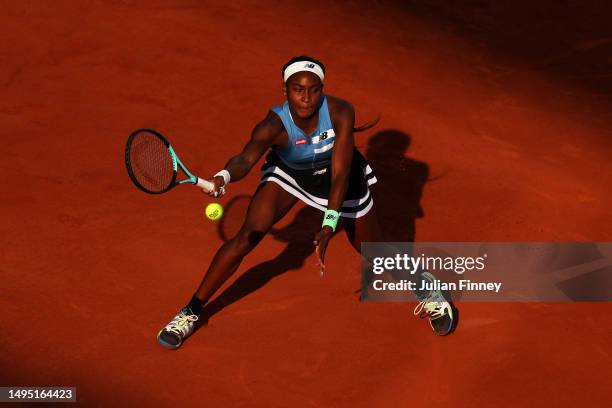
<point x="490" y="131"/>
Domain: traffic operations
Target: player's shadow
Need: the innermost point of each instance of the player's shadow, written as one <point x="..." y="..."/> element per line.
<point x="298" y="235"/>
<point x="397" y="194"/>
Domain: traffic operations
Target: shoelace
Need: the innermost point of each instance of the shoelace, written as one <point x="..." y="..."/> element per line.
<point x="434" y="309"/>
<point x="181" y="322"/>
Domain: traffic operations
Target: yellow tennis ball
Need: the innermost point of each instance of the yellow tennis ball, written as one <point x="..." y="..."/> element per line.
<point x="214" y="211"/>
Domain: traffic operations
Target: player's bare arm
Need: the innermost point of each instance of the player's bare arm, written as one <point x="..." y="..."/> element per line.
<point x="343" y="118"/>
<point x="267" y="133"/>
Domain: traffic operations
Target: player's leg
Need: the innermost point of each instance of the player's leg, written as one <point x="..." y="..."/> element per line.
<point x="268" y="205"/>
<point x="442" y="314"/>
<point x="363" y="229"/>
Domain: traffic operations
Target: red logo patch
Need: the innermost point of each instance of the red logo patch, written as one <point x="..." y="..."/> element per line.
<point x="301" y="141"/>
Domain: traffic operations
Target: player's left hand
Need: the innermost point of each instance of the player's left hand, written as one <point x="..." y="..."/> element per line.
<point x="321" y="240"/>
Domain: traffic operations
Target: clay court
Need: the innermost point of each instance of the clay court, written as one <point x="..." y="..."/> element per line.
<point x="495" y="126"/>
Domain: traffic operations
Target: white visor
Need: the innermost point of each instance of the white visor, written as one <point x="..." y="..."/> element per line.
<point x="300" y="66"/>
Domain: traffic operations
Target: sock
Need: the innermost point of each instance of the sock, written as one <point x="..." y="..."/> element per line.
<point x="195" y="305"/>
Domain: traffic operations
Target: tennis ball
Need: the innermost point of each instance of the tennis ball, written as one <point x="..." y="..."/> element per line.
<point x="214" y="211"/>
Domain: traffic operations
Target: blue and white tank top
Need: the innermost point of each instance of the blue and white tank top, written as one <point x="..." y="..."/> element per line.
<point x="305" y="151"/>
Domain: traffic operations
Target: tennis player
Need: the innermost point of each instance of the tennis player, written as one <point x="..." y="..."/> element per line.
<point x="311" y="158"/>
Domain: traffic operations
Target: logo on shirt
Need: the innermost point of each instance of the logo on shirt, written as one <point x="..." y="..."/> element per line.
<point x="301" y="141"/>
<point x="328" y="134"/>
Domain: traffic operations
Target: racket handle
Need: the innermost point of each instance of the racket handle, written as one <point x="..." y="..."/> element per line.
<point x="205" y="184"/>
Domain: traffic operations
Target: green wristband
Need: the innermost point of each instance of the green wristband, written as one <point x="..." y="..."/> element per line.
<point x="331" y="219"/>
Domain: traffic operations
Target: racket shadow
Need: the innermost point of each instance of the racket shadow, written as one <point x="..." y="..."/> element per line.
<point x="234" y="214"/>
<point x="298" y="235"/>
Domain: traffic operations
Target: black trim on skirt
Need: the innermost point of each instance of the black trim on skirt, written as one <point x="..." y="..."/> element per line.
<point x="312" y="186"/>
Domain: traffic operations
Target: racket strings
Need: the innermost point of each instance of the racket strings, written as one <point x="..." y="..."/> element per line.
<point x="151" y="162"/>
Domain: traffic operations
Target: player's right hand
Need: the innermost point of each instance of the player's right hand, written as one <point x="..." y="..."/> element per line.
<point x="219" y="187"/>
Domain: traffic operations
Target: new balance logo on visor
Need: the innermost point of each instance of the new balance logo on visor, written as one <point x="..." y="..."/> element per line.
<point x="309" y="66"/>
<point x="301" y="141"/>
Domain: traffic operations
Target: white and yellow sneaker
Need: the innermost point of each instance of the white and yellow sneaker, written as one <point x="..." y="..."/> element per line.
<point x="179" y="328"/>
<point x="442" y="314"/>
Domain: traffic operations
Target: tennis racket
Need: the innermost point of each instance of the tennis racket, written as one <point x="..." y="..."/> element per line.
<point x="152" y="164"/>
